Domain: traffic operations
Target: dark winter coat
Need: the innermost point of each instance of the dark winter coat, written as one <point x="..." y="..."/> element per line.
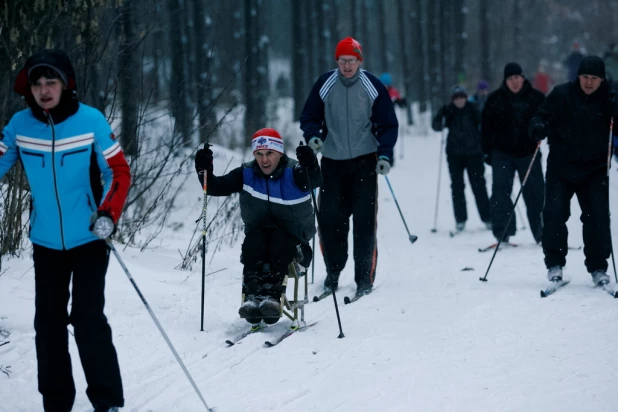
<point x="280" y="200"/>
<point x="464" y="137"/>
<point x="577" y="126"/>
<point x="505" y="120"/>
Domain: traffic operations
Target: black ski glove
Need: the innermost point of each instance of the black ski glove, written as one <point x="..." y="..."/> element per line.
<point x="306" y="157"/>
<point x="538" y="132"/>
<point x="203" y="159"/>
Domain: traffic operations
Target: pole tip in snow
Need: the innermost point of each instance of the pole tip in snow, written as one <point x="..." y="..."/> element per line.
<point x="341" y="336"/>
<point x="434" y="230"/>
<point x="483" y="279"/>
<point x="413" y="238"/>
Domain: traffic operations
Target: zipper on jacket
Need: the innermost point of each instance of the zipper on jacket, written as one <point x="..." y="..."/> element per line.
<point x="53" y="153"/>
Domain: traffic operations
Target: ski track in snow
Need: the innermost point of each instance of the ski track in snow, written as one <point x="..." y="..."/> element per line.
<point x="431" y="338"/>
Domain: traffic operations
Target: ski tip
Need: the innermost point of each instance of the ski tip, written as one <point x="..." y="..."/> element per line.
<point x="346" y="300"/>
<point x="543" y="294"/>
<point x="615" y="295"/>
<point x="268" y="344"/>
<point x="434" y="230"/>
<point x="229" y="343"/>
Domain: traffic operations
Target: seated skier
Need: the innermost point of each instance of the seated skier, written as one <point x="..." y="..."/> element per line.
<point x="275" y="206"/>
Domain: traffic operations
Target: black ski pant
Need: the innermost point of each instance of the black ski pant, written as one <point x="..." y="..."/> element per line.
<point x="275" y="246"/>
<point x="504" y="167"/>
<point x="475" y="167"/>
<point x="53" y="270"/>
<point x="592" y="196"/>
<point x="350" y="189"/>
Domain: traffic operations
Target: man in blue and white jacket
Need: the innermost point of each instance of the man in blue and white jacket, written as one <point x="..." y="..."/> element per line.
<point x="79" y="180"/>
<point x="350" y="119"/>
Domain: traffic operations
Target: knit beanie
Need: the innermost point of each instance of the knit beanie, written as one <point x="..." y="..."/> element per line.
<point x="512" y="69"/>
<point x="458" y="91"/>
<point x="349" y="47"/>
<point x="483" y="85"/>
<point x="592" y="65"/>
<point x="267" y="139"/>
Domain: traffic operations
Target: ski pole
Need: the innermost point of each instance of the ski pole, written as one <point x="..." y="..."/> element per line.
<point x="317" y="216"/>
<point x="204" y="207"/>
<point x="609" y="161"/>
<point x="506" y="228"/>
<point x="313" y="251"/>
<point x="156" y="321"/>
<point x="435" y="217"/>
<point x="412" y="238"/>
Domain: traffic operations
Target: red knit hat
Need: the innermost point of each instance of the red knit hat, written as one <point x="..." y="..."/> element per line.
<point x="267" y="139"/>
<point x="349" y="47"/>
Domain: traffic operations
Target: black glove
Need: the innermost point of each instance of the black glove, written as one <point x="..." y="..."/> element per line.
<point x="102" y="224"/>
<point x="306" y="157"/>
<point x="203" y="159"/>
<point x="538" y="132"/>
<point x="401" y="102"/>
<point x="487" y="159"/>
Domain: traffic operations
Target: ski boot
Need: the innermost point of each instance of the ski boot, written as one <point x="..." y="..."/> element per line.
<point x="250" y="310"/>
<point x="600" y="278"/>
<point x="554" y="274"/>
<point x="270" y="310"/>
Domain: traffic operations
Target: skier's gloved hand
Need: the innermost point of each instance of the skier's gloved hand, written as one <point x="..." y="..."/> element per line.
<point x="306" y="157"/>
<point x="403" y="103"/>
<point x="316" y="144"/>
<point x="383" y="166"/>
<point x="203" y="159"/>
<point x="487" y="159"/>
<point x="102" y="224"/>
<point x="538" y="132"/>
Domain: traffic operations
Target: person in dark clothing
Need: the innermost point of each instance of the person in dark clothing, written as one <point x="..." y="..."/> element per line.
<point x="576" y="118"/>
<point x="78" y="203"/>
<point x="350" y="119"/>
<point x="275" y="206"/>
<point x="508" y="149"/>
<point x="463" y="151"/>
<point x="480" y="97"/>
<point x="572" y="62"/>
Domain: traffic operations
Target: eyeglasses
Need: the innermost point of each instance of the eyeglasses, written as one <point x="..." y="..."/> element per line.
<point x="343" y="62"/>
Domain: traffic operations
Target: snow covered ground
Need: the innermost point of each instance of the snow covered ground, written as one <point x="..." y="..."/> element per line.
<point x="430" y="338"/>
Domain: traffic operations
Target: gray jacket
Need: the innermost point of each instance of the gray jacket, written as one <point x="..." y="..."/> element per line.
<point x="353" y="117"/>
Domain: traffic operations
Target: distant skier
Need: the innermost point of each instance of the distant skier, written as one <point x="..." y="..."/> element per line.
<point x="508" y="149"/>
<point x="396" y="98"/>
<point x="275" y="206"/>
<point x="79" y="180"/>
<point x="480" y="97"/>
<point x="576" y="118"/>
<point x="463" y="151"/>
<point x="572" y="61"/>
<point x="350" y="118"/>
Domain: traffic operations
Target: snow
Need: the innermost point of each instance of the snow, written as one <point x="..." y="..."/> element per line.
<point x="430" y="338"/>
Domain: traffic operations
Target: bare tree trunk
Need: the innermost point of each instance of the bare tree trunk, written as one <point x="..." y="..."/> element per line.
<point x="445" y="60"/>
<point x="323" y="37"/>
<point x="203" y="77"/>
<point x="256" y="69"/>
<point x="354" y="18"/>
<point x="383" y="45"/>
<point x="364" y="32"/>
<point x="127" y="79"/>
<point x="433" y="44"/>
<point x="178" y="96"/>
<point x="334" y="22"/>
<point x="298" y="57"/>
<point x="405" y="59"/>
<point x="517" y="31"/>
<point x="310" y="34"/>
<point x="459" y="12"/>
<point x="189" y="43"/>
<point x="484" y="38"/>
<point x="158" y="43"/>
<point x="416" y="17"/>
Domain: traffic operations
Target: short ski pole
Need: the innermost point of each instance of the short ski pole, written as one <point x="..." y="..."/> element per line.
<point x="313" y="251"/>
<point x="317" y="216"/>
<point x="204" y="207"/>
<point x="156" y="321"/>
<point x="609" y="162"/>
<point x="506" y="228"/>
<point x="412" y="238"/>
<point x="435" y="216"/>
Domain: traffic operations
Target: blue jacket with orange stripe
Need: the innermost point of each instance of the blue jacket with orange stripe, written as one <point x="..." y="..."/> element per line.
<point x="65" y="164"/>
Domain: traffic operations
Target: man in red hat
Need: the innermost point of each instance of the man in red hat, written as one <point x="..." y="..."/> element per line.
<point x="67" y="149"/>
<point x="275" y="206"/>
<point x="350" y="119"/>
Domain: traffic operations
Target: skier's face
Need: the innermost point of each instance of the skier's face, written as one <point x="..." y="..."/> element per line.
<point x="268" y="160"/>
<point x="47" y="92"/>
<point x="348" y="65"/>
<point x="589" y="83"/>
<point x="459" y="101"/>
<point x="515" y="83"/>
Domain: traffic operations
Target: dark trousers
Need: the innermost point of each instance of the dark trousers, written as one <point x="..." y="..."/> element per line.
<point x="350" y="189"/>
<point x="504" y="168"/>
<point x="592" y="195"/>
<point x="274" y="246"/>
<point x="457" y="164"/>
<point x="53" y="269"/>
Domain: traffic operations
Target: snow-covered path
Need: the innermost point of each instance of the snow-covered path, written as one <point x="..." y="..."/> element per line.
<point x="430" y="338"/>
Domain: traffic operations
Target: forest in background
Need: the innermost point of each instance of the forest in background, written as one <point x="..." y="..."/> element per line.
<point x="195" y="61"/>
